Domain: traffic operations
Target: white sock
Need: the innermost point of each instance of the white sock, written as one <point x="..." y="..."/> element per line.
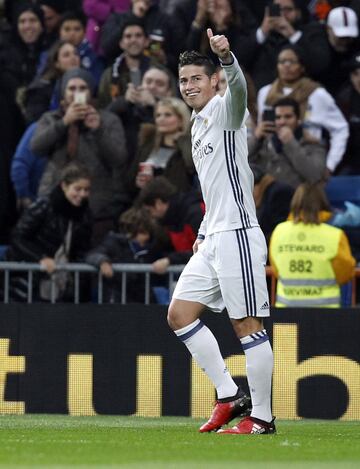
<point x="259" y="368"/>
<point x="204" y="348"/>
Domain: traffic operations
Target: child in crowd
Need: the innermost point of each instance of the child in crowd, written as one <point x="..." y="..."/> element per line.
<point x="139" y="240"/>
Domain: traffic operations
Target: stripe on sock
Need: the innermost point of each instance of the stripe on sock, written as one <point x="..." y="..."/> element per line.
<point x="254" y="339"/>
<point x="190" y="333"/>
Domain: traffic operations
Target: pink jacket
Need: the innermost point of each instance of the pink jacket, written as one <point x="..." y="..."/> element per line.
<point x="97" y="12"/>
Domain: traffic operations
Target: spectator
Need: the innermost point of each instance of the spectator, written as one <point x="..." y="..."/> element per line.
<point x="19" y="58"/>
<point x="349" y="102"/>
<point x="26" y="170"/>
<point x="52" y="9"/>
<point x="343" y="38"/>
<point x="137" y="105"/>
<point x="130" y="65"/>
<point x="19" y="53"/>
<point x="285" y="22"/>
<point x="52" y="231"/>
<point x="320" y="115"/>
<point x="137" y="241"/>
<point x="97" y="12"/>
<point x="227" y="17"/>
<point x="155" y="23"/>
<point x="72" y="28"/>
<point x="272" y="200"/>
<point x="43" y="94"/>
<point x="78" y="132"/>
<point x="165" y="147"/>
<point x="179" y="213"/>
<point x="353" y="4"/>
<point x="281" y="147"/>
<point x="311" y="259"/>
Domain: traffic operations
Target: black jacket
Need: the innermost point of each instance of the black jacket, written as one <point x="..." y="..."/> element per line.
<point x="42" y="227"/>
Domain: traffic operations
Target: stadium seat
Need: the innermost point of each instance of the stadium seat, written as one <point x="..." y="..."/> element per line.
<point x="343" y="188"/>
<point x="3" y="249"/>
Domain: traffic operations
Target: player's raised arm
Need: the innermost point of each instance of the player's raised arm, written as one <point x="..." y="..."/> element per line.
<point x="237" y="93"/>
<point x="220" y="46"/>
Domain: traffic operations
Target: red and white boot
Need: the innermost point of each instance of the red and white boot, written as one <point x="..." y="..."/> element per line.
<point x="251" y="425"/>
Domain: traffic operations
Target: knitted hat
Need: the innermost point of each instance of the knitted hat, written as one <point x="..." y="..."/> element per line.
<point x="78" y="73"/>
<point x="29" y="7"/>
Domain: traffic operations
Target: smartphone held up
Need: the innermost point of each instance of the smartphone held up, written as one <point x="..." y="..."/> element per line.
<point x="80" y="97"/>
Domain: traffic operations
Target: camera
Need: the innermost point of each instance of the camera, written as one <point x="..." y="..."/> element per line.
<point x="274" y="9"/>
<point x="268" y="115"/>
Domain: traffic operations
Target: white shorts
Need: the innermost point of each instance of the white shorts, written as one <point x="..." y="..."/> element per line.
<point x="228" y="271"/>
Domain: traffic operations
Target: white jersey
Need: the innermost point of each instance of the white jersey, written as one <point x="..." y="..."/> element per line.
<point x="220" y="154"/>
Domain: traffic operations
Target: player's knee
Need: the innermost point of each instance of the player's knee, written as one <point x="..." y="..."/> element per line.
<point x="246" y="326"/>
<point x="173" y="317"/>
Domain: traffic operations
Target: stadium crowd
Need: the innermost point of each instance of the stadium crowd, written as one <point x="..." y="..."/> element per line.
<point x="92" y="85"/>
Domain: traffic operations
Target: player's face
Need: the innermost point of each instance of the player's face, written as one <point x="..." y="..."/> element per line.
<point x="196" y="87"/>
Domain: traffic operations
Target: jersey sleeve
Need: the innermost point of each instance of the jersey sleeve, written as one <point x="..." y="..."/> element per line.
<point x="232" y="112"/>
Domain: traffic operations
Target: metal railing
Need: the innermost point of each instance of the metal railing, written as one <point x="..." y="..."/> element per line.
<point x="77" y="269"/>
<point x="124" y="269"/>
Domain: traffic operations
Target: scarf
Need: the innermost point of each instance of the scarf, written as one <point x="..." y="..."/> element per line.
<point x="115" y="73"/>
<point x="300" y="92"/>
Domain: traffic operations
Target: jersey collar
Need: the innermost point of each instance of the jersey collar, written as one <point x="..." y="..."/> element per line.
<point x="207" y="110"/>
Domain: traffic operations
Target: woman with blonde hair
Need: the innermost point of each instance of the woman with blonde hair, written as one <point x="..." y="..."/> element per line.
<point x="165" y="147"/>
<point x="310" y="258"/>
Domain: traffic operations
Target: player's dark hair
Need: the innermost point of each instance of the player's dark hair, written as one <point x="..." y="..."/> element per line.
<point x="289" y="102"/>
<point x="157" y="188"/>
<point x="195" y="58"/>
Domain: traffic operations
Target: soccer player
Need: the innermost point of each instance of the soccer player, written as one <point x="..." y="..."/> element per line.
<point x="228" y="265"/>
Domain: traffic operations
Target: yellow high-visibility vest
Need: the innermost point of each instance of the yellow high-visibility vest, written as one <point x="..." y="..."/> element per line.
<point x="302" y="255"/>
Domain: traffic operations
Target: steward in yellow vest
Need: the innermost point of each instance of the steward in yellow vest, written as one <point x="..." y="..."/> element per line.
<point x="311" y="259"/>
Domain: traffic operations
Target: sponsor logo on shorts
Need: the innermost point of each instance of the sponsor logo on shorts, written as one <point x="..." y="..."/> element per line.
<point x="265" y="306"/>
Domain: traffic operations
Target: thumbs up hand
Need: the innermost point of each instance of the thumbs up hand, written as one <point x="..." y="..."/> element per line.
<point x="220" y="46"/>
